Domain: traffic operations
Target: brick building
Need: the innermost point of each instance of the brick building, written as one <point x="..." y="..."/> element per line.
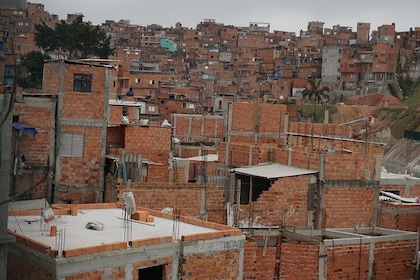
<point x="102" y="241"/>
<point x="67" y="156"/>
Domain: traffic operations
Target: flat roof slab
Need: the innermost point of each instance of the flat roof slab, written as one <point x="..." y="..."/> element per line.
<point x="76" y="234"/>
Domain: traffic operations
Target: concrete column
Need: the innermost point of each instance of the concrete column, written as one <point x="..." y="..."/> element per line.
<point x="58" y="128"/>
<point x="241" y="264"/>
<point x="203" y="208"/>
<point x="250" y="155"/>
<point x="175" y="262"/>
<point x="228" y="123"/>
<point x="322" y="262"/>
<point x="320" y="195"/>
<point x="286" y="122"/>
<point x="289" y="156"/>
<point x="371" y="259"/>
<point x="100" y="197"/>
<point x="189" y="127"/>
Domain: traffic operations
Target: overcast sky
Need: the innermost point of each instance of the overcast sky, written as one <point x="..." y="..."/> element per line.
<point x="291" y="15"/>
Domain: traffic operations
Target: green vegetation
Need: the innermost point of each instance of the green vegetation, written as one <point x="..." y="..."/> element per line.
<point x="317" y="111"/>
<point x="32" y="68"/>
<point x="75" y="40"/>
<point x="412" y="97"/>
<point x="316" y="92"/>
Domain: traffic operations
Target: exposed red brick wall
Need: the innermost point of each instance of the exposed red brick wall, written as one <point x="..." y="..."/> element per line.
<point x="299" y="261"/>
<point x="38" y="115"/>
<point x="158" y="196"/>
<point x="82" y="171"/>
<point x="348" y="261"/>
<point x="18" y="268"/>
<point x="337" y="165"/>
<point x="399" y="216"/>
<point x="347" y="206"/>
<point x="256" y="265"/>
<point x="115" y="138"/>
<point x="393" y="259"/>
<point x="240" y="154"/>
<point x="320" y="129"/>
<point x="119" y="272"/>
<point x="152" y="143"/>
<point x="284" y="204"/>
<point x="255" y="117"/>
<point x="49" y="84"/>
<point x="221" y="265"/>
<point x="318" y="144"/>
<point x="198" y="126"/>
<point x="116" y="113"/>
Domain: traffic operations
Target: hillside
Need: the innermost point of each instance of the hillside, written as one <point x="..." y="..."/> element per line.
<point x="389" y="117"/>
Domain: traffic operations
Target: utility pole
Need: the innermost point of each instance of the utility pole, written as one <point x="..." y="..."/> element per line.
<point x="5" y="154"/>
<point x="7" y="99"/>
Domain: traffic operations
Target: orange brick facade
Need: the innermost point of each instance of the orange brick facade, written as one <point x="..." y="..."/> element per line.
<point x="177" y="196"/>
<point x="81" y="113"/>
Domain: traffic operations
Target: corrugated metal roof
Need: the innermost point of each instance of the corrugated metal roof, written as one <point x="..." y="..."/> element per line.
<point x="272" y="170"/>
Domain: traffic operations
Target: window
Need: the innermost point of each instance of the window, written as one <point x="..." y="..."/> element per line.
<point x="151" y="109"/>
<point x="82" y="83"/>
<point x="259" y="185"/>
<point x="189" y="105"/>
<point x="125" y="111"/>
<point x="71" y="144"/>
<point x="154" y="272"/>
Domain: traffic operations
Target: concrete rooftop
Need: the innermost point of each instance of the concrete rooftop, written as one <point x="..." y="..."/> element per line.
<point x="78" y="236"/>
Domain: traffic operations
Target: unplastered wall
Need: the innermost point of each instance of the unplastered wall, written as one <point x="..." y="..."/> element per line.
<point x="186" y="197"/>
<point x="348" y="204"/>
<point x="37" y="113"/>
<point x="198" y="126"/>
<point x="259" y="262"/>
<point x="283" y="204"/>
<point x="399" y="216"/>
<point x="299" y="261"/>
<point x="213" y="265"/>
<point x="152" y="143"/>
<point x="80" y="176"/>
<point x="337" y="166"/>
<point x="389" y="260"/>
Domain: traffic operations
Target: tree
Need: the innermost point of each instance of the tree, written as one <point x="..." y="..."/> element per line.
<point x="32" y="68"/>
<point x="75" y="40"/>
<point x="315" y="92"/>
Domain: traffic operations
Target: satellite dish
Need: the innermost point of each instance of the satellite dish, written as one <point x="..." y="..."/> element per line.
<point x="130" y="203"/>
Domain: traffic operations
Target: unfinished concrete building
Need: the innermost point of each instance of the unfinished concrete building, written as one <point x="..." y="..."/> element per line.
<point x="103" y="241"/>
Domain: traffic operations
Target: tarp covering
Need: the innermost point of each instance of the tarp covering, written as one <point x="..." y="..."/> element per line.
<point x="25" y="128"/>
